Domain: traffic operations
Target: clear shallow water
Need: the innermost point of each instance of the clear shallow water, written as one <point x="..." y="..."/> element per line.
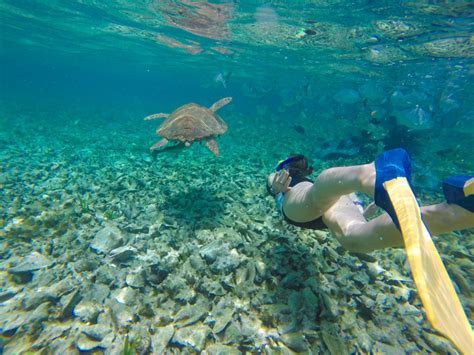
<point x="77" y="78"/>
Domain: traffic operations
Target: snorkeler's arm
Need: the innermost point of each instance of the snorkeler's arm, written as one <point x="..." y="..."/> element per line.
<point x="280" y="182"/>
<point x="269" y="184"/>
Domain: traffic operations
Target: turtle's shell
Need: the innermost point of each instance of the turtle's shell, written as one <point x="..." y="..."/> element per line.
<point x="192" y="122"/>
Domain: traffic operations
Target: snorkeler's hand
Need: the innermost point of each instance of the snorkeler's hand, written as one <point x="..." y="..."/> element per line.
<point x="281" y="182"/>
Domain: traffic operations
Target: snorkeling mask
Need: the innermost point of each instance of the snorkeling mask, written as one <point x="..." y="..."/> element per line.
<point x="285" y="164"/>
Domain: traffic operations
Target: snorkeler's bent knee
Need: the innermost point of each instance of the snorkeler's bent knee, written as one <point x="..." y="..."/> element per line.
<point x="352" y="230"/>
<point x="379" y="233"/>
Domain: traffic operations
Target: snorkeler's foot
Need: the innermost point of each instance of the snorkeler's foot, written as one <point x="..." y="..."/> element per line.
<point x="459" y="190"/>
<point x="390" y="165"/>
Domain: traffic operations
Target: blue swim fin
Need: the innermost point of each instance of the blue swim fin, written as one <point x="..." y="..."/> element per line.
<point x="390" y="165"/>
<point x="459" y="190"/>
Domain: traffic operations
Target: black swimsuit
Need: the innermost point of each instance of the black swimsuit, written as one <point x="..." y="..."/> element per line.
<point x="315" y="223"/>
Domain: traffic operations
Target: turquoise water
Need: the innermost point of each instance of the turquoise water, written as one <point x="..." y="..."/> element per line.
<point x="207" y="264"/>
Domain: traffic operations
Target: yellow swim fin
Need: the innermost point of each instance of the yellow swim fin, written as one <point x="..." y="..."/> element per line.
<point x="443" y="308"/>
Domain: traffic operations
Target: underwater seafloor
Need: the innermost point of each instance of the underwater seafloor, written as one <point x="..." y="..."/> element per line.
<point x="108" y="248"/>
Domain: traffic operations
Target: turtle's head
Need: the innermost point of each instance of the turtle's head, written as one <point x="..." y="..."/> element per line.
<point x="296" y="164"/>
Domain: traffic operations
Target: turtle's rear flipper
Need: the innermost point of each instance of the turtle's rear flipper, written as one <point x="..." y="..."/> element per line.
<point x="160" y="144"/>
<point x="222" y="102"/>
<point x="156" y="115"/>
<point x="212" y="145"/>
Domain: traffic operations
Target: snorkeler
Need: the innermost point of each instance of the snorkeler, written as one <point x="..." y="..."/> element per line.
<point x="327" y="202"/>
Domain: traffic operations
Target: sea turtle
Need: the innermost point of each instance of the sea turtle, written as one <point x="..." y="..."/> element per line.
<point x="192" y="122"/>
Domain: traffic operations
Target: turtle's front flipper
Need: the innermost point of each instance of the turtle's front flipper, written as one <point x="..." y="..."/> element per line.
<point x="156" y="115"/>
<point x="160" y="144"/>
<point x="212" y="145"/>
<point x="222" y="102"/>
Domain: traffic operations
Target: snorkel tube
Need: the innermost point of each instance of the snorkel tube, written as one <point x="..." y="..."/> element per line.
<point x="284" y="164"/>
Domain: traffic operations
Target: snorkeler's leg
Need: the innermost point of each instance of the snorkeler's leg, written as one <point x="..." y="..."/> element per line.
<point x="333" y="183"/>
<point x="356" y="234"/>
<point x="352" y="230"/>
<point x="342" y="215"/>
<point x="446" y="217"/>
<point x="369" y="179"/>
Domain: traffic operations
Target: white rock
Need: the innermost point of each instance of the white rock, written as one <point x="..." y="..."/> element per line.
<point x="107" y="239"/>
<point x="126" y="295"/>
<point x="84" y="343"/>
<point x="32" y="262"/>
<point x="194" y="336"/>
<point x="136" y="278"/>
<point x="123" y="254"/>
<point x="86" y="311"/>
<point x="161" y="338"/>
